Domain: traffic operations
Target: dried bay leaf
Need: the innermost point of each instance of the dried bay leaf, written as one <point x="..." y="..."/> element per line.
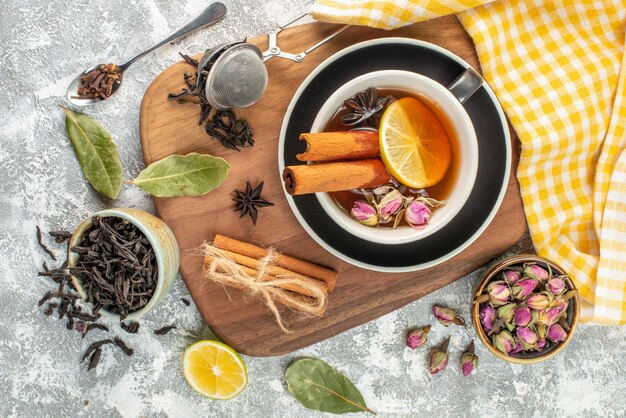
<point x="96" y="152"/>
<point x="183" y="175"/>
<point x="319" y="386"/>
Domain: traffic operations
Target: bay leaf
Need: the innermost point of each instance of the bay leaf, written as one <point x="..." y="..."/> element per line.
<point x="319" y="386"/>
<point x="96" y="152"/>
<point x="183" y="175"/>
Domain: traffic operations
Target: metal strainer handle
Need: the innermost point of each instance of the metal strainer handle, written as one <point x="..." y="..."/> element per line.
<point x="275" y="51"/>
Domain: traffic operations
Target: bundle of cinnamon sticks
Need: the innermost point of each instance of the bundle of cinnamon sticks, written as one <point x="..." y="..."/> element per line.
<point x="343" y="161"/>
<point x="275" y="277"/>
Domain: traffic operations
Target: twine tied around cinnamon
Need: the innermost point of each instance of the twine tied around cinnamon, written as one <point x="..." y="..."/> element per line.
<point x="222" y="269"/>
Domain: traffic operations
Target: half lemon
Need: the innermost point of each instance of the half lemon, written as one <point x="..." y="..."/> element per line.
<point x="214" y="370"/>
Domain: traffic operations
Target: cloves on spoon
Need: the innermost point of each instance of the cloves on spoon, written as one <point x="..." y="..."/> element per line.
<point x="101" y="91"/>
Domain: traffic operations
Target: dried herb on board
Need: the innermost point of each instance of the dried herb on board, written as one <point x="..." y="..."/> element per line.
<point x="365" y="108"/>
<point x="223" y="125"/>
<point x="116" y="266"/>
<point x="164" y="330"/>
<point x="99" y="82"/>
<point x="247" y="202"/>
<point x="231" y="132"/>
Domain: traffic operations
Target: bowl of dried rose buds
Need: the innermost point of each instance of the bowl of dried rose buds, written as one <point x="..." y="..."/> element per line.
<point x="525" y="309"/>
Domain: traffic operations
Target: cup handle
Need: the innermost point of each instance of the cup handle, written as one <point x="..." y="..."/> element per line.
<point x="466" y="84"/>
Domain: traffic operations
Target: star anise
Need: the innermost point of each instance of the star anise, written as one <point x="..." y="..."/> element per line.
<point x="249" y="201"/>
<point x="365" y="108"/>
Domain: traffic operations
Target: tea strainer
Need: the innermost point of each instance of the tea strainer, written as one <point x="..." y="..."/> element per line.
<point x="237" y="77"/>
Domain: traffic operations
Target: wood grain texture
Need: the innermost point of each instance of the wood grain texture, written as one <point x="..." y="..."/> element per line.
<point x="169" y="127"/>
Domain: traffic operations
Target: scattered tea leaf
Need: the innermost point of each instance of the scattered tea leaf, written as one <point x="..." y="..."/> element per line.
<point x="164" y="330"/>
<point x="60" y="236"/>
<point x="95" y="359"/>
<point x="185" y="301"/>
<point x="121" y="344"/>
<point x="94" y="346"/>
<point x="183" y="175"/>
<point x="50" y="309"/>
<point x="131" y="327"/>
<point x="44" y="246"/>
<point x="96" y="152"/>
<point x="320" y="387"/>
<point x="94" y="325"/>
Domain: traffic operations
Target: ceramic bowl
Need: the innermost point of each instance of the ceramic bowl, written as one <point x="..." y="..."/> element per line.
<point x="433" y="92"/>
<point x="162" y="241"/>
<point x="551" y="349"/>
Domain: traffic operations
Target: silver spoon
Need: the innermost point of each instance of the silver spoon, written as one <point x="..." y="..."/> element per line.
<point x="212" y="14"/>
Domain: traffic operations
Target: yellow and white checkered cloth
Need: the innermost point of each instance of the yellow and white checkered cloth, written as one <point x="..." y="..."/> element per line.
<point x="559" y="70"/>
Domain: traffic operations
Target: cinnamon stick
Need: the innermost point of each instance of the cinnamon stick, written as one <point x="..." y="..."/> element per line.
<point x="335" y="176"/>
<point x="291" y="264"/>
<point x="334" y="146"/>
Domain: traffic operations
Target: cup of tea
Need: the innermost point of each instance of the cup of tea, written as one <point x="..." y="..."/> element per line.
<point x="456" y="185"/>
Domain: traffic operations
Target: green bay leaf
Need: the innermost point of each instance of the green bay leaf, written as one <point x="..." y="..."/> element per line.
<point x="96" y="152"/>
<point x="183" y="175"/>
<point x="319" y="386"/>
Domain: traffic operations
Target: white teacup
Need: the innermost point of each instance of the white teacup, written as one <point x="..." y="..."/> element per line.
<point x="467" y="150"/>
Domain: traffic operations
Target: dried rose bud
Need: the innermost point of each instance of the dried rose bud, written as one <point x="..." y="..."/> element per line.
<point x="447" y="316"/>
<point x="556" y="333"/>
<point x="538" y="301"/>
<point x="551" y="315"/>
<point x="504" y="341"/>
<point x="439" y="358"/>
<point x="511" y="276"/>
<point x="518" y="347"/>
<point x="364" y="213"/>
<point x="505" y="312"/>
<point x="417" y="214"/>
<point x="390" y="204"/>
<point x="527" y="337"/>
<point x="522" y="316"/>
<point x="499" y="292"/>
<point x="487" y="316"/>
<point x="541" y="343"/>
<point x="524" y="288"/>
<point x="536" y="272"/>
<point x="556" y="286"/>
<point x="542" y="330"/>
<point x="469" y="360"/>
<point x="417" y="337"/>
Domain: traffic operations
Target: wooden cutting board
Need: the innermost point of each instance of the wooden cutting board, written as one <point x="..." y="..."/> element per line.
<point x="169" y="127"/>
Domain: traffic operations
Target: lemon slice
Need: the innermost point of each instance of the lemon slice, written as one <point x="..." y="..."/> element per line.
<point x="214" y="369"/>
<point x="414" y="144"/>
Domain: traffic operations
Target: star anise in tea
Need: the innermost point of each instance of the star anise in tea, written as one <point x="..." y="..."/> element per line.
<point x="249" y="201"/>
<point x="365" y="108"/>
